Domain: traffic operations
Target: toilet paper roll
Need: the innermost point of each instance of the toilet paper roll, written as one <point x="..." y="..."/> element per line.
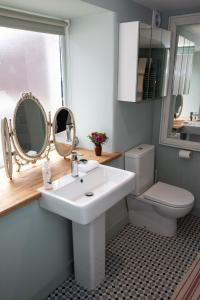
<point x="185" y="154"/>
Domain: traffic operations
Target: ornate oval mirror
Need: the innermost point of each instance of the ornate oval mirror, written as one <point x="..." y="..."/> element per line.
<point x="6" y="148"/>
<point x="30" y="127"/>
<point x="64" y="131"/>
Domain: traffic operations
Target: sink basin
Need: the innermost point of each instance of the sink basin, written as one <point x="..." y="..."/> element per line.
<point x="86" y="197"/>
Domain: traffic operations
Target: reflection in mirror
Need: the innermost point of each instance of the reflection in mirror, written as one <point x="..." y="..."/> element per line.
<point x="30" y="127"/>
<point x="184" y="122"/>
<point x="6" y="147"/>
<point x="64" y="131"/>
<point x="153" y="62"/>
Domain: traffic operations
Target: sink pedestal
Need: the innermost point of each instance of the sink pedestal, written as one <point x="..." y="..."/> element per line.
<point x="89" y="252"/>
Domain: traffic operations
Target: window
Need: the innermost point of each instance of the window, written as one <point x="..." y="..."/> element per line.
<point x="30" y="61"/>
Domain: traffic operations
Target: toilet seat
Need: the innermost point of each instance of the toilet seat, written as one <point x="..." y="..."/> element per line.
<point x="169" y="195"/>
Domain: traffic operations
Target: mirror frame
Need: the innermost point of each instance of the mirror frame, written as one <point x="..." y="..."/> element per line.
<point x="175" y="21"/>
<point x="6" y="147"/>
<point x="54" y="131"/>
<point x="26" y="97"/>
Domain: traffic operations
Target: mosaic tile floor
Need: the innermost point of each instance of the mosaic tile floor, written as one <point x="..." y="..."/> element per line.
<point x="141" y="265"/>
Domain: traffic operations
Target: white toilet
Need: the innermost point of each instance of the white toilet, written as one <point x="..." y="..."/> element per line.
<point x="154" y="206"/>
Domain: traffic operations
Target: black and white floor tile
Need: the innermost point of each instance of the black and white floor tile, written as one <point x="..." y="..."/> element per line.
<point x="141" y="265"/>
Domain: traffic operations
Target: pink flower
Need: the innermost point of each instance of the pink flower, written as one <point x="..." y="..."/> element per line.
<point x="98" y="138"/>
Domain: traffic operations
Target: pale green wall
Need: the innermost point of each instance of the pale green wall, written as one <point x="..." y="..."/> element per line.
<point x="35" y="253"/>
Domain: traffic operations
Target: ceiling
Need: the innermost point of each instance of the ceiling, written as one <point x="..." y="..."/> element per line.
<point x="170" y="5"/>
<point x="65" y="9"/>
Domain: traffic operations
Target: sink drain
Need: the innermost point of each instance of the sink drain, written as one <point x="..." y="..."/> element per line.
<point x="89" y="194"/>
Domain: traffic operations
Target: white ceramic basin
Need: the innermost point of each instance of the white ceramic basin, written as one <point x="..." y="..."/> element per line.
<point x="68" y="196"/>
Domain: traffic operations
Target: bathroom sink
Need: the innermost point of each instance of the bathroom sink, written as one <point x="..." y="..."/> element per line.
<point x="86" y="197"/>
<point x="84" y="200"/>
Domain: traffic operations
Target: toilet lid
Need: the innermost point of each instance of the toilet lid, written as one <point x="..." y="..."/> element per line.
<point x="169" y="195"/>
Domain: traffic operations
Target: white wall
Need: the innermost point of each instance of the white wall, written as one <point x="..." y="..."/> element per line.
<point x="91" y="75"/>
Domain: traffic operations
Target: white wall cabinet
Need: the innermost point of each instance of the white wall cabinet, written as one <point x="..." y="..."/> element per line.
<point x="143" y="62"/>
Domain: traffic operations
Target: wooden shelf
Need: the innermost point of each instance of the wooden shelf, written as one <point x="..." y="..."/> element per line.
<point x="23" y="188"/>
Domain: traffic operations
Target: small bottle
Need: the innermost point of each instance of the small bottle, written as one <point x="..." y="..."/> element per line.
<point x="46" y="174"/>
<point x="74" y="164"/>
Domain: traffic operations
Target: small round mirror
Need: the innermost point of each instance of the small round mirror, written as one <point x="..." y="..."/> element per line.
<point x="6" y="148"/>
<point x="30" y="127"/>
<point x="64" y="131"/>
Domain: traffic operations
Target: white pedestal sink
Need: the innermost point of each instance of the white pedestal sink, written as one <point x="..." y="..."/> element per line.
<point x="69" y="198"/>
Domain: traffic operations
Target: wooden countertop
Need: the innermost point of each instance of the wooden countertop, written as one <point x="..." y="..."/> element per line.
<point x="23" y="188"/>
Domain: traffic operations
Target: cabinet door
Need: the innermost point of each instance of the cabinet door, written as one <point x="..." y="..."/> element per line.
<point x="156" y="63"/>
<point x="128" y="61"/>
<point x="144" y="62"/>
<point x="160" y="49"/>
<point x="134" y="61"/>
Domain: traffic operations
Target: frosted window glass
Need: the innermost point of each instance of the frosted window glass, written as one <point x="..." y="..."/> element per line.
<point x="29" y="61"/>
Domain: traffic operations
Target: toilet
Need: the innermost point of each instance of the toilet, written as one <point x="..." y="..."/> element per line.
<point x="154" y="206"/>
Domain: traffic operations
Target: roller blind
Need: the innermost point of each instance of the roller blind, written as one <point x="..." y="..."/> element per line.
<point x="26" y="21"/>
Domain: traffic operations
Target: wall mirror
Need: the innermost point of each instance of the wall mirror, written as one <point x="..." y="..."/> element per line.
<point x="64" y="131"/>
<point x="180" y="123"/>
<point x="27" y="138"/>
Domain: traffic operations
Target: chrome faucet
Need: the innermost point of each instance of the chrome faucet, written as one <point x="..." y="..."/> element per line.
<point x="74" y="164"/>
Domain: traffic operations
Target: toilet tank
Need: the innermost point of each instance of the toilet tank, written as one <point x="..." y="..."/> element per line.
<point x="140" y="160"/>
